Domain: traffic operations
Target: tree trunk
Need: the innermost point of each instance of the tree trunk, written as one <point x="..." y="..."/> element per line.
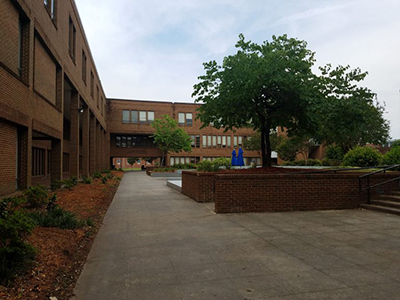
<point x="266" y="143"/>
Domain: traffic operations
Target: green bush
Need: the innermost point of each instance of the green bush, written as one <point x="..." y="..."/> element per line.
<point x="392" y="157"/>
<point x="97" y="175"/>
<point x="55" y="185"/>
<point x="205" y="166"/>
<point x="362" y="157"/>
<point x="117" y="178"/>
<point x="104" y="179"/>
<point x="71" y="182"/>
<point x="164" y="170"/>
<point x="314" y="162"/>
<point x="36" y="196"/>
<point x="106" y="171"/>
<point x="288" y="163"/>
<point x="334" y="152"/>
<point x="15" y="226"/>
<point x="110" y="176"/>
<point x="221" y="162"/>
<point x="86" y="180"/>
<point x="184" y="166"/>
<point x="56" y="217"/>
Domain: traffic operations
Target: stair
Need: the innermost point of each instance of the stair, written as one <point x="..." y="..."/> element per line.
<point x="385" y="203"/>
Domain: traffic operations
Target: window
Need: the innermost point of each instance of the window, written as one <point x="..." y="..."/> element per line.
<point x="51" y="8"/>
<point x="189" y="119"/>
<point x="142" y="116"/>
<point x="125" y="116"/>
<point x="65" y="162"/>
<point x="134" y="116"/>
<point x="240" y="140"/>
<point x="204" y="141"/>
<point x="198" y="141"/>
<point x="150" y="116"/>
<point x="38" y="162"/>
<point x="129" y="141"/>
<point x="181" y="118"/>
<point x="192" y="142"/>
<point x="91" y="84"/>
<point x="102" y="106"/>
<point x="123" y="141"/>
<point x="209" y="143"/>
<point x="84" y="62"/>
<point x="48" y="161"/>
<point x="214" y="141"/>
<point x="97" y="97"/>
<point x="219" y="141"/>
<point x="235" y="139"/>
<point x="224" y="141"/>
<point x="118" y="141"/>
<point x="228" y="142"/>
<point x="72" y="39"/>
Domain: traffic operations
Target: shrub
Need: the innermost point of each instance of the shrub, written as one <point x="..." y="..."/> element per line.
<point x="104" y="179"/>
<point x="56" y="217"/>
<point x="221" y="162"/>
<point x="314" y="162"/>
<point x="205" y="166"/>
<point x="288" y="163"/>
<point x="71" y="182"/>
<point x="97" y="175"/>
<point x="105" y="171"/>
<point x="362" y="157"/>
<point x="334" y="152"/>
<point x="117" y="178"/>
<point x="110" y="176"/>
<point x="36" y="196"/>
<point x="392" y="157"/>
<point x="14" y="252"/>
<point x="52" y="202"/>
<point x="166" y="169"/>
<point x="86" y="180"/>
<point x="55" y="185"/>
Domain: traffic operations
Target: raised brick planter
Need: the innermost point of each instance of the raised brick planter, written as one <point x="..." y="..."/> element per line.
<point x="198" y="185"/>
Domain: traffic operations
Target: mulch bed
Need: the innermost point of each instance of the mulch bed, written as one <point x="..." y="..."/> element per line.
<point x="62" y="253"/>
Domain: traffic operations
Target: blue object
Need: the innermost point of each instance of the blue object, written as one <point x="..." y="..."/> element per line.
<point x="234" y="158"/>
<point x="240" y="160"/>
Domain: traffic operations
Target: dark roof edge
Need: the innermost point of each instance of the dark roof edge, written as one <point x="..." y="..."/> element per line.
<point x="153" y="101"/>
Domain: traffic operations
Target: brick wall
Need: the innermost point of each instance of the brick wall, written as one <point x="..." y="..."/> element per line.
<point x="9" y="32"/>
<point x="290" y="192"/>
<point x="198" y="185"/>
<point x="8" y="149"/>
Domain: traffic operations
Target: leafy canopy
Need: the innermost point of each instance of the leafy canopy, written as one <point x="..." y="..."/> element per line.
<point x="261" y="86"/>
<point x="169" y="137"/>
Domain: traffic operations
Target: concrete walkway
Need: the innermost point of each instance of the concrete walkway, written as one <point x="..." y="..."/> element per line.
<point x="156" y="243"/>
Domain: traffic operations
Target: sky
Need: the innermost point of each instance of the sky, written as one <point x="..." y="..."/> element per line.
<point x="155" y="49"/>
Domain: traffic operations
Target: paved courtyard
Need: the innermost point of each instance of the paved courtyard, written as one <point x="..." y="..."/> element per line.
<point x="156" y="243"/>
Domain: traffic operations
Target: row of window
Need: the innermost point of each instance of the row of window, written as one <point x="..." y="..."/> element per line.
<point x="133" y="141"/>
<point x="222" y="141"/>
<point x="185" y="119"/>
<point x="137" y="117"/>
<point x="183" y="160"/>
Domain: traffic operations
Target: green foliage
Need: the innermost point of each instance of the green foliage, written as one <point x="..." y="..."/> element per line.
<point x="117" y="178"/>
<point x="36" y="196"/>
<point x="55" y="185"/>
<point x="97" y="175"/>
<point x="287" y="150"/>
<point x="214" y="166"/>
<point x="132" y="160"/>
<point x="164" y="170"/>
<point x="362" y="157"/>
<point x="169" y="137"/>
<point x="86" y="180"/>
<point x="106" y="171"/>
<point x="110" y="176"/>
<point x="392" y="157"/>
<point x="221" y="162"/>
<point x="185" y="166"/>
<point x="334" y="152"/>
<point x="52" y="202"/>
<point x="14" y="252"/>
<point x="331" y="162"/>
<point x="56" y="217"/>
<point x="261" y="86"/>
<point x="313" y="162"/>
<point x="253" y="142"/>
<point x="104" y="179"/>
<point x="395" y="144"/>
<point x="70" y="182"/>
<point x="205" y="166"/>
<point x="347" y="114"/>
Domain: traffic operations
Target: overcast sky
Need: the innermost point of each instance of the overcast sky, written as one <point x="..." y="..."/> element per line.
<point x="154" y="49"/>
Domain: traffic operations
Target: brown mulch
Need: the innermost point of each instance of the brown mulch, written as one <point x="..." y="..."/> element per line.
<point x="62" y="253"/>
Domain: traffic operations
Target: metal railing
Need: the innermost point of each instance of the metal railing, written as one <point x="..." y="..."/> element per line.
<point x="369" y="186"/>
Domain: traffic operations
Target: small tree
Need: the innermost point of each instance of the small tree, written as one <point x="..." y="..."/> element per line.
<point x="169" y="137"/>
<point x="132" y="160"/>
<point x="253" y="142"/>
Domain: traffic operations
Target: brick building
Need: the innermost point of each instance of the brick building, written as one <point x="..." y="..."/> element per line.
<point x="54" y="119"/>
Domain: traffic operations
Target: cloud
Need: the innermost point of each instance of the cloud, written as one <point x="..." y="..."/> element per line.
<point x="155" y="49"/>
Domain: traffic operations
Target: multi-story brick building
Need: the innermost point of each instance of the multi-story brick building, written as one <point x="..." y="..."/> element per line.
<point x="54" y="119"/>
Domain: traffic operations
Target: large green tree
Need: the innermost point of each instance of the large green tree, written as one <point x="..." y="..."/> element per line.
<point x="261" y="86"/>
<point x="347" y="114"/>
<point x="169" y="137"/>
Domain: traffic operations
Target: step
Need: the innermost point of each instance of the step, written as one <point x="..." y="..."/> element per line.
<point x="386" y="203"/>
<point x="395" y="193"/>
<point x="393" y="198"/>
<point x="383" y="209"/>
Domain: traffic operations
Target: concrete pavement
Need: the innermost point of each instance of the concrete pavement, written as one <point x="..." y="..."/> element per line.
<point x="156" y="243"/>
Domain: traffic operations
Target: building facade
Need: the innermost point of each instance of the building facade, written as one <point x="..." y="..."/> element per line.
<point x="55" y="120"/>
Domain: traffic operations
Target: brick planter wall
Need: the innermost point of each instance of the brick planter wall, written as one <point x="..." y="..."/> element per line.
<point x="198" y="185"/>
<point x="290" y="192"/>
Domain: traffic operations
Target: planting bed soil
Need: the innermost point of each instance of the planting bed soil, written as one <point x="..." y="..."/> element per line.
<point x="61" y="253"/>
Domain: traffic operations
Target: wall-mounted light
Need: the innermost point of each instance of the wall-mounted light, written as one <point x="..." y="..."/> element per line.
<point x="80" y="110"/>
